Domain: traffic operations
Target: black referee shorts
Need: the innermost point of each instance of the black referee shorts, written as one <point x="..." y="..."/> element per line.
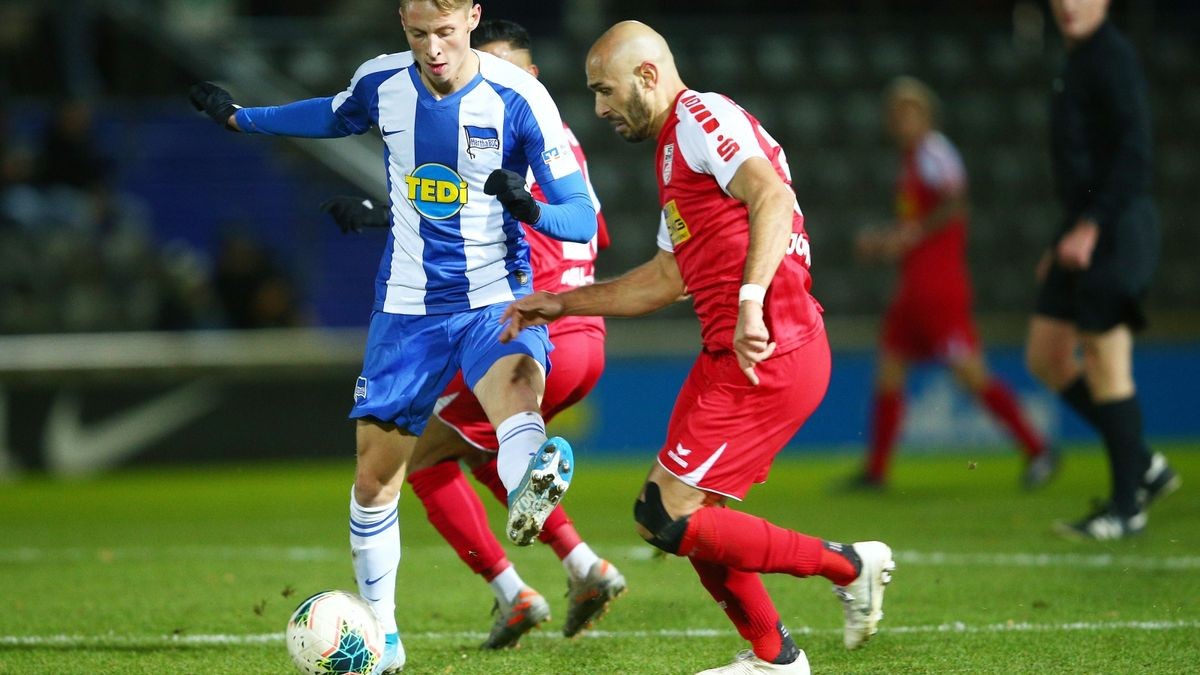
<point x="1112" y="290"/>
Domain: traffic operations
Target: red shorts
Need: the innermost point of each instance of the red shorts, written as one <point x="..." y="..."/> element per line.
<point x="919" y="331"/>
<point x="578" y="362"/>
<point x="725" y="432"/>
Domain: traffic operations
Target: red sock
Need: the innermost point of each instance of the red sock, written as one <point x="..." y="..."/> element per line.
<point x="751" y="544"/>
<point x="558" y="531"/>
<point x="999" y="400"/>
<point x="746" y="603"/>
<point x="487" y="475"/>
<point x="457" y="514"/>
<point x="885" y="426"/>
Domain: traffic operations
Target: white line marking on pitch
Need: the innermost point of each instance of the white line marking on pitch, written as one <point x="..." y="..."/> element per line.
<point x="31" y="555"/>
<point x="271" y="638"/>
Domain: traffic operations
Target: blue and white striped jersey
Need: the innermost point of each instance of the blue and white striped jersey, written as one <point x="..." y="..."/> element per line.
<point x="451" y="247"/>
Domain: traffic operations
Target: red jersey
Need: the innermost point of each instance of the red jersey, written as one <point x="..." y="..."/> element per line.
<point x="936" y="267"/>
<point x="700" y="147"/>
<point x="559" y="266"/>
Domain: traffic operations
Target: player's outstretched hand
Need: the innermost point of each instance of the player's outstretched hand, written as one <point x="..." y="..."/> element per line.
<point x="215" y="102"/>
<point x="509" y="188"/>
<point x="751" y="340"/>
<point x="532" y="310"/>
<point x="354" y="214"/>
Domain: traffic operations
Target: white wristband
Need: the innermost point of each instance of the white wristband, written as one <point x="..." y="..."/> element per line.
<point x="752" y="292"/>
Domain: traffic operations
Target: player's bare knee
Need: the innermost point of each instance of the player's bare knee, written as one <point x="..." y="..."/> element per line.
<point x="370" y="491"/>
<point x="1052" y="367"/>
<point x="656" y="525"/>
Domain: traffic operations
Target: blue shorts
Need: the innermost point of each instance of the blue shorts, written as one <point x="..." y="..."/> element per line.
<point x="411" y="358"/>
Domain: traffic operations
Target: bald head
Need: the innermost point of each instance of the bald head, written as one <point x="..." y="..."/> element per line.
<point x="627" y="45"/>
<point x="632" y="72"/>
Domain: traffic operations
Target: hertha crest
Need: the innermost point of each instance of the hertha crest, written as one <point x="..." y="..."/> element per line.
<point x="668" y="157"/>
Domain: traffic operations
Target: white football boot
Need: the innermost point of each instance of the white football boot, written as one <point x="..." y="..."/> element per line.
<point x="746" y="663"/>
<point x="862" y="599"/>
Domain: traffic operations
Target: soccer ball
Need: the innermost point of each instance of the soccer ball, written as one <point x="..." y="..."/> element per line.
<point x="335" y="633"/>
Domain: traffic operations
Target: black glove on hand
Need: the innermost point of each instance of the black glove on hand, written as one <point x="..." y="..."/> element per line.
<point x="352" y="214"/>
<point x="509" y="188"/>
<point x="214" y="102"/>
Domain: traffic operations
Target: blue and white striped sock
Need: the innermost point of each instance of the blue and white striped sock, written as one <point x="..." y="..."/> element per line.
<point x="520" y="437"/>
<point x="375" y="550"/>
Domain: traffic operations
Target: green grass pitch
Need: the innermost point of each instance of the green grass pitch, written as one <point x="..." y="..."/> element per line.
<point x="196" y="571"/>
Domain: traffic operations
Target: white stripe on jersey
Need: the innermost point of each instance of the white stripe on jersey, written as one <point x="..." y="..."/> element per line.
<point x="545" y="114"/>
<point x="405" y="292"/>
<point x="484" y="244"/>
<point x="663" y="238"/>
<point x="420" y="275"/>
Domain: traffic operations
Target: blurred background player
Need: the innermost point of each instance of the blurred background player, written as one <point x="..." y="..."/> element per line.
<point x="731" y="235"/>
<point x="455" y="255"/>
<point x="460" y="430"/>
<point x="930" y="315"/>
<point x="1095" y="276"/>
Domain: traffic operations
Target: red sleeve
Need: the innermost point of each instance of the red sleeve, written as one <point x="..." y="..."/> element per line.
<point x="602" y="240"/>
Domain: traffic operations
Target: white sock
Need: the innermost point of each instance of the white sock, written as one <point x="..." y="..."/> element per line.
<point x="375" y="550"/>
<point x="520" y="436"/>
<point x="507" y="585"/>
<point x="579" y="561"/>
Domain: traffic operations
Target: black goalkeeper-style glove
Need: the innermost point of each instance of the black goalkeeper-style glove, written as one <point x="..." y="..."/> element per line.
<point x="214" y="102"/>
<point x="509" y="188"/>
<point x="353" y="214"/>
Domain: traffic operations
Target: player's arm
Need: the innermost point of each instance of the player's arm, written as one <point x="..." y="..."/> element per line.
<point x="324" y="117"/>
<point x="771" y="206"/>
<point x="310" y="118"/>
<point x="568" y="213"/>
<point x="644" y="289"/>
<point x="1120" y="91"/>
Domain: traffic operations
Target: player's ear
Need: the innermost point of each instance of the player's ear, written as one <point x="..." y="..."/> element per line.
<point x="647" y="74"/>
<point x="473" y="17"/>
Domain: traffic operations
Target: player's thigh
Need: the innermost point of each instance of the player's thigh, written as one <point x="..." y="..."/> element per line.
<point x="507" y="378"/>
<point x="407" y="362"/>
<point x="725" y="433"/>
<point x="578" y="362"/>
<point x="438" y="443"/>
<point x="900" y="335"/>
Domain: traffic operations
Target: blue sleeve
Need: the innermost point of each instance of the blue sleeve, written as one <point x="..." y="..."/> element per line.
<point x="310" y="118"/>
<point x="568" y="214"/>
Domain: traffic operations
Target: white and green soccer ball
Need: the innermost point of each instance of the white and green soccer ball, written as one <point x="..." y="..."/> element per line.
<point x="335" y="633"/>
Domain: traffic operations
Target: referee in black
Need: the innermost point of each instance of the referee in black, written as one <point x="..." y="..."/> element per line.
<point x="1094" y="277"/>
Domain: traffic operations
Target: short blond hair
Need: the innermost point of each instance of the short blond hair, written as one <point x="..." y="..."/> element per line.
<point x="443" y="5"/>
<point x="908" y="89"/>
